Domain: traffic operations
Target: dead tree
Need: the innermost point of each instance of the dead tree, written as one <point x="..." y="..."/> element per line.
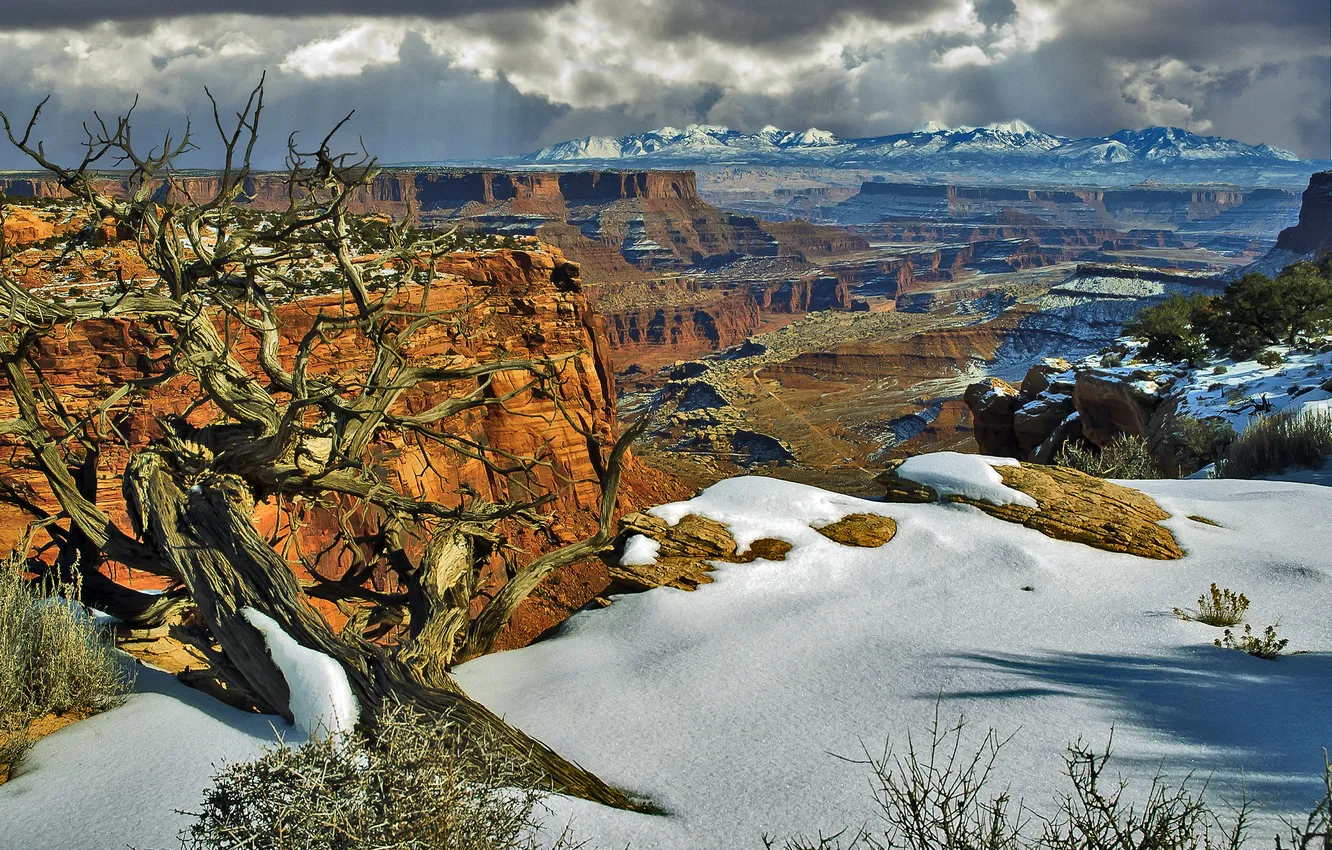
<point x="294" y="428"/>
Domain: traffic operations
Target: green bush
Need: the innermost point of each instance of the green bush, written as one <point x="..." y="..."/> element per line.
<point x="1269" y="358"/>
<point x="1268" y="646"/>
<point x="1198" y="442"/>
<point x="1253" y="313"/>
<point x="1273" y="444"/>
<point x="1217" y="607"/>
<point x="1126" y="457"/>
<point x="1256" y="310"/>
<point x="416" y="784"/>
<point x="1171" y="329"/>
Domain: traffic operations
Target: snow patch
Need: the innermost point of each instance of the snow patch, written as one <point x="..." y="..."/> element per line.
<point x="969" y="476"/>
<point x="640" y="551"/>
<point x="321" y="697"/>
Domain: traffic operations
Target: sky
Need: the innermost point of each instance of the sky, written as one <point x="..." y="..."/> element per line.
<point x="435" y="80"/>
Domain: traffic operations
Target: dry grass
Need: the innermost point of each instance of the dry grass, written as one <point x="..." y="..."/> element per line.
<point x="1274" y="444"/>
<point x="1218" y="607"/>
<point x="1126" y="457"/>
<point x="53" y="659"/>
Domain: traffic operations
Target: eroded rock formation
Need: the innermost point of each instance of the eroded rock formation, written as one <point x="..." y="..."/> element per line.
<point x="522" y="302"/>
<point x="1313" y="234"/>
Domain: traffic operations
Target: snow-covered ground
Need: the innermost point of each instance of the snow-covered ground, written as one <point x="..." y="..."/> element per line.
<point x="1235" y="391"/>
<point x="723" y="705"/>
<point x="117" y="779"/>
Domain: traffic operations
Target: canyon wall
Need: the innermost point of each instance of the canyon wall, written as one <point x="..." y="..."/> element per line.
<point x="678" y="327"/>
<point x="1313" y="234"/>
<point x="1147" y="207"/>
<point x="524" y="303"/>
<point x="425" y="190"/>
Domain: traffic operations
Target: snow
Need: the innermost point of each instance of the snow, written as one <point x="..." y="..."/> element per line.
<point x="1240" y="390"/>
<point x="117" y="779"/>
<point x="639" y="551"/>
<point x="932" y="127"/>
<point x="321" y="701"/>
<point x="724" y="705"/>
<point x="972" y="476"/>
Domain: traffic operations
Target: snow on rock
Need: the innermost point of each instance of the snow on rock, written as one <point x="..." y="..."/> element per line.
<point x="640" y="551"/>
<point x="970" y="476"/>
<point x="322" y="701"/>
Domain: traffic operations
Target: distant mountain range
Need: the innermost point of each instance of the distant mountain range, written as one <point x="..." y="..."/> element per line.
<point x="992" y="150"/>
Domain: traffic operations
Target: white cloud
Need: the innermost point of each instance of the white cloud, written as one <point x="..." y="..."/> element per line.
<point x="348" y="53"/>
<point x="1168" y="92"/>
<point x="960" y="57"/>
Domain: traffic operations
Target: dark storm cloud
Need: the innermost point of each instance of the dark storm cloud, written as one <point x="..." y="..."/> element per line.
<point x="45" y="14"/>
<point x="745" y="22"/>
<point x="466" y="79"/>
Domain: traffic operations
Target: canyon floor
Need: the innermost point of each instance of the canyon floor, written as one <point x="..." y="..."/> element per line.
<point x="840" y="392"/>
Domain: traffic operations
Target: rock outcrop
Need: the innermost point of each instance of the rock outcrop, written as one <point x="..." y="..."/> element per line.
<point x="684" y="553"/>
<point x="1313" y="234"/>
<point x="1058" y="403"/>
<point x="1072" y="506"/>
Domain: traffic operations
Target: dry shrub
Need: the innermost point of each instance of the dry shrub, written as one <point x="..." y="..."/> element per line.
<point x="53" y="658"/>
<point x="1126" y="457"/>
<point x="1268" y="646"/>
<point x="939" y="797"/>
<point x="1218" y="607"/>
<point x="1273" y="444"/>
<point x="415" y="782"/>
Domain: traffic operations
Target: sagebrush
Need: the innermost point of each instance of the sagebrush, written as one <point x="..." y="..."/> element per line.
<point x="1126" y="456"/>
<point x="941" y="797"/>
<point x="53" y="658"/>
<point x="1218" y="607"/>
<point x="1266" y="646"/>
<point x="414" y="782"/>
<point x="1273" y="444"/>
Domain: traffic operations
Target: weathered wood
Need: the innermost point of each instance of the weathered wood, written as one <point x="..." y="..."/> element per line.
<point x="205" y="533"/>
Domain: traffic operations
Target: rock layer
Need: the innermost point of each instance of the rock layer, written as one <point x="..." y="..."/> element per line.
<point x="522" y="304"/>
<point x="1072" y="506"/>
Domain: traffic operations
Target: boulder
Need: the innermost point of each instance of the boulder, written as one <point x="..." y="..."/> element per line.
<point x="1110" y="405"/>
<point x="685" y="553"/>
<point x="1035" y="421"/>
<point x="993" y="403"/>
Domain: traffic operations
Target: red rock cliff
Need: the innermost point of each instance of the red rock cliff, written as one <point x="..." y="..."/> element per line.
<point x="524" y="314"/>
<point x="392" y="192"/>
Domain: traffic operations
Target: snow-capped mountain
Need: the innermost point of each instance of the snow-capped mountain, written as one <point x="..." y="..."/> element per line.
<point x="1154" y="151"/>
<point x="693" y="142"/>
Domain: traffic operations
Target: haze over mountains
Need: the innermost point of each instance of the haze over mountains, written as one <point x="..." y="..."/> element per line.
<point x="933" y="149"/>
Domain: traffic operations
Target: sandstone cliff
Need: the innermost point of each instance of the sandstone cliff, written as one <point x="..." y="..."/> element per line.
<point x="523" y="302"/>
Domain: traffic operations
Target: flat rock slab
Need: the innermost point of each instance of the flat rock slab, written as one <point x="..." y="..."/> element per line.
<point x="687" y="550"/>
<point x="1072" y="506"/>
<point x="864" y="530"/>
